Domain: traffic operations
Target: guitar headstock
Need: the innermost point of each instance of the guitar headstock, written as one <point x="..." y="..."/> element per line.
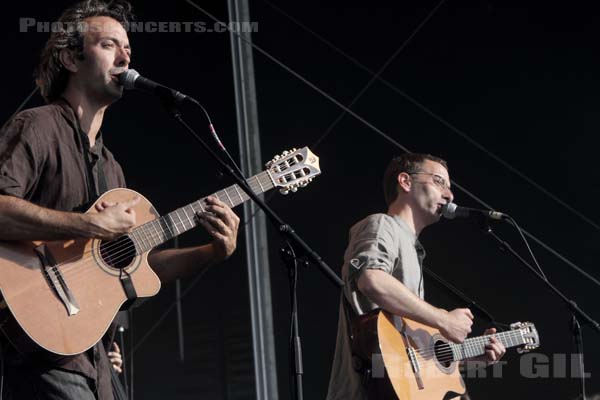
<point x="529" y="334"/>
<point x="293" y="169"/>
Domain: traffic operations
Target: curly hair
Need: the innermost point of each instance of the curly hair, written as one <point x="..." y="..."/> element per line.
<point x="407" y="162"/>
<point x="50" y="75"/>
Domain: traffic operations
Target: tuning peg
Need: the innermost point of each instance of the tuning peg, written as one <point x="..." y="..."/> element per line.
<point x="284" y="190"/>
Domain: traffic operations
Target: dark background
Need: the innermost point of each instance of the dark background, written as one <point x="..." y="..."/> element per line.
<point x="520" y="78"/>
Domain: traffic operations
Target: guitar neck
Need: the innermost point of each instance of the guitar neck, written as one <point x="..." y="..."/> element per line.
<point x="158" y="231"/>
<point x="474" y="347"/>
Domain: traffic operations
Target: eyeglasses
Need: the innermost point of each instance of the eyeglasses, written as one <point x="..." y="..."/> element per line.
<point x="439" y="180"/>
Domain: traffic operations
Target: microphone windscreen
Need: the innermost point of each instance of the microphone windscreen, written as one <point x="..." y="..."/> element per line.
<point x="127" y="78"/>
<point x="449" y="210"/>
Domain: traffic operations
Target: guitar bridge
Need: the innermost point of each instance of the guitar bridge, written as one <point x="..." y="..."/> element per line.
<point x="414" y="363"/>
<point x="56" y="281"/>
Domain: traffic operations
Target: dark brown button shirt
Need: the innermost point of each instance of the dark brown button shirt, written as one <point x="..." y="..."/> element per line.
<point x="46" y="159"/>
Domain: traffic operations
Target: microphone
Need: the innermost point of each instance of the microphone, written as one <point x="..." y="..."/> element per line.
<point x="131" y="79"/>
<point x="451" y="211"/>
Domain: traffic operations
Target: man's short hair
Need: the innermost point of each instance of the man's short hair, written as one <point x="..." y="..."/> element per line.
<point x="407" y="162"/>
<point x="50" y="75"/>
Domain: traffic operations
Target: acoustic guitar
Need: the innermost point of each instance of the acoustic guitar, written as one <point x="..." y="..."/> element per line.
<point x="407" y="360"/>
<point x="64" y="294"/>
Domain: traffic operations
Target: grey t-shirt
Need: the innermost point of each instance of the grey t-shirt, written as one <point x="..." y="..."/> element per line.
<point x="379" y="241"/>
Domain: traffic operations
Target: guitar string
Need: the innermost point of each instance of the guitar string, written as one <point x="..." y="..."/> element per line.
<point x="473" y="344"/>
<point x="145" y="228"/>
<point x="266" y="181"/>
<point x="124" y="250"/>
<point x="471" y="341"/>
<point x="76" y="276"/>
<point x="476" y="345"/>
<point x="121" y="250"/>
<point x="148" y="235"/>
<point x="142" y="235"/>
<point x="262" y="179"/>
<point x="433" y="360"/>
<point x="127" y="251"/>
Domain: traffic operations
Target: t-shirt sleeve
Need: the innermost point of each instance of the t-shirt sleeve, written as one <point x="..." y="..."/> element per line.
<point x="372" y="246"/>
<point x="21" y="158"/>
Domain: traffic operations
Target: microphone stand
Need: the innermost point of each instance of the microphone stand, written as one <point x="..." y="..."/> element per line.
<point x="286" y="231"/>
<point x="573" y="307"/>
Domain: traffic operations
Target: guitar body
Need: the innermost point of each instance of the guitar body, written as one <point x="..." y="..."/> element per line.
<point x="93" y="283"/>
<point x="65" y="294"/>
<point x="403" y="359"/>
<point x="439" y="381"/>
<point x="386" y="340"/>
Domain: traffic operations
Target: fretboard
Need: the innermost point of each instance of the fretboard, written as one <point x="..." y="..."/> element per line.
<point x="158" y="231"/>
<point x="474" y="347"/>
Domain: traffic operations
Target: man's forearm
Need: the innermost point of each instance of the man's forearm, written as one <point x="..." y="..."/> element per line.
<point x="22" y="220"/>
<point x="392" y="296"/>
<point x="172" y="264"/>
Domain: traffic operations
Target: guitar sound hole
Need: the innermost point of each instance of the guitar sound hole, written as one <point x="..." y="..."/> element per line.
<point x="118" y="253"/>
<point x="443" y="353"/>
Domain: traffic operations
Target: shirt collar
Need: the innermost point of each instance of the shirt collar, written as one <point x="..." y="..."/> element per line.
<point x="69" y="114"/>
<point x="67" y="111"/>
<point x="404" y="226"/>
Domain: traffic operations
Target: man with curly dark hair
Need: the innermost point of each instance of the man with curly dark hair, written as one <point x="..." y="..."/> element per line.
<point x="53" y="165"/>
<point x="51" y="74"/>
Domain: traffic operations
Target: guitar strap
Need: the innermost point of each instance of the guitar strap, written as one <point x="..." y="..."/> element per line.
<point x="359" y="363"/>
<point x="94" y="192"/>
<point x="129" y="289"/>
<point x="102" y="185"/>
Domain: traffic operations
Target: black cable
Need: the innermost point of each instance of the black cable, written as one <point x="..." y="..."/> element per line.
<point x="304" y="80"/>
<point x="477" y="309"/>
<point x="34" y="91"/>
<point x="375" y="75"/>
<point x="535" y="261"/>
<point x="220" y="144"/>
